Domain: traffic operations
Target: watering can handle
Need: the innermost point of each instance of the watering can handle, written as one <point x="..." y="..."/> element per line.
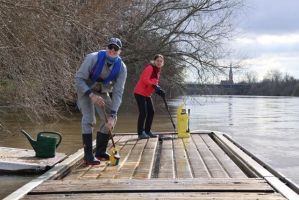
<point x="55" y="133"/>
<point x="60" y="138"/>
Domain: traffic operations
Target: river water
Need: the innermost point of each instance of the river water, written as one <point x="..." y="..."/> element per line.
<point x="266" y="126"/>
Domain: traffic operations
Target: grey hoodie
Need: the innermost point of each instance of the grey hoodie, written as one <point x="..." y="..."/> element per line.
<point x="84" y="84"/>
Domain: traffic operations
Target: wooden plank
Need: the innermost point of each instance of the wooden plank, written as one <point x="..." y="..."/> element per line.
<point x="214" y="167"/>
<point x="282" y="188"/>
<point x="126" y="171"/>
<point x="78" y="171"/>
<point x="200" y="131"/>
<point x="87" y="172"/>
<point x="160" y="195"/>
<point x="92" y="172"/>
<point x="127" y="146"/>
<point x="145" y="167"/>
<point x="199" y="169"/>
<point x="153" y="185"/>
<point x="230" y="167"/>
<point x="182" y="165"/>
<point x="82" y="168"/>
<point x="83" y="171"/>
<point x="156" y="133"/>
<point x="15" y="160"/>
<point x="167" y="133"/>
<point x="166" y="165"/>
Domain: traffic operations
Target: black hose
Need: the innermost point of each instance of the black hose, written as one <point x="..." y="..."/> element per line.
<point x="169" y="113"/>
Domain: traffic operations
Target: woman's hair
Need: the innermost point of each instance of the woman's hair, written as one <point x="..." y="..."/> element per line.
<point x="158" y="56"/>
<point x="155" y="58"/>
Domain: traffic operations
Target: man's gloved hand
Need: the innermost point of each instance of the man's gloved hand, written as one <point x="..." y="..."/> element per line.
<point x="159" y="91"/>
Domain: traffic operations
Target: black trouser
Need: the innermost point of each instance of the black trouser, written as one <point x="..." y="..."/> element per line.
<point x="146" y="113"/>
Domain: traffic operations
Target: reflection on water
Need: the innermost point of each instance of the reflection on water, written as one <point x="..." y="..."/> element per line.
<point x="266" y="126"/>
<point x="230" y="111"/>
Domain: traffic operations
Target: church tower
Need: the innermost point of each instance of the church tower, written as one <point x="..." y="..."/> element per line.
<point x="230" y="76"/>
<point x="230" y="80"/>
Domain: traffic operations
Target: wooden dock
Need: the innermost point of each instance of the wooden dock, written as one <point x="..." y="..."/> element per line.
<point x="24" y="161"/>
<point x="207" y="165"/>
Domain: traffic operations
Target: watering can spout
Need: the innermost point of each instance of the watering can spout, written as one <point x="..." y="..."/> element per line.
<point x="32" y="141"/>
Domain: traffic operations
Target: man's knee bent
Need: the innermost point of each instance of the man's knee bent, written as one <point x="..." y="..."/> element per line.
<point x="88" y="122"/>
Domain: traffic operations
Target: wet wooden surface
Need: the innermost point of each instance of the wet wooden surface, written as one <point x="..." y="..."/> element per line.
<point x="169" y="168"/>
<point x="195" y="157"/>
<point x="15" y="160"/>
<point x="163" y="195"/>
<point x="154" y="185"/>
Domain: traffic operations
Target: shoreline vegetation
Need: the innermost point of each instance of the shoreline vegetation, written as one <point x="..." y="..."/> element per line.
<point x="273" y="85"/>
<point x="287" y="86"/>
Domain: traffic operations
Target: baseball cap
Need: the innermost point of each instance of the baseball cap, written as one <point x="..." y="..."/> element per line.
<point x="115" y="41"/>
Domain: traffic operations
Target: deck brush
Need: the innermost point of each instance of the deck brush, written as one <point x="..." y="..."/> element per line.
<point x="114" y="155"/>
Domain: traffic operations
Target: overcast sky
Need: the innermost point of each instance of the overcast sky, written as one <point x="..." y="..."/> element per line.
<point x="268" y="36"/>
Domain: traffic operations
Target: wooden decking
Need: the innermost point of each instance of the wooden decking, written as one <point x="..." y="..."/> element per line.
<point x="24" y="161"/>
<point x="167" y="167"/>
<point x="195" y="157"/>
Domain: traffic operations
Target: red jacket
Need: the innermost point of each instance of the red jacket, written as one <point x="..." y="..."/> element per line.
<point x="147" y="81"/>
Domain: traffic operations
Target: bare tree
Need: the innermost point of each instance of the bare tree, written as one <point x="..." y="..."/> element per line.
<point x="43" y="42"/>
<point x="274" y="76"/>
<point x="250" y="77"/>
<point x="188" y="33"/>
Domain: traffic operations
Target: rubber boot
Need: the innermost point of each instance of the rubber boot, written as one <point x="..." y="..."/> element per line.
<point x="143" y="135"/>
<point x="102" y="142"/>
<point x="88" y="155"/>
<point x="150" y="134"/>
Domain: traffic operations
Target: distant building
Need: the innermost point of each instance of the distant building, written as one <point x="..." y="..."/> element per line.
<point x="230" y="80"/>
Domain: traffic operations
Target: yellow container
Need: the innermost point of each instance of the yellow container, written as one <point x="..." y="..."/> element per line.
<point x="114" y="156"/>
<point x="182" y="122"/>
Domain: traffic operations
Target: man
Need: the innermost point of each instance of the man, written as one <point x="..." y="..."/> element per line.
<point x="101" y="75"/>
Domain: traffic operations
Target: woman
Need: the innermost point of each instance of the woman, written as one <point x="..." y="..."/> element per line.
<point x="147" y="84"/>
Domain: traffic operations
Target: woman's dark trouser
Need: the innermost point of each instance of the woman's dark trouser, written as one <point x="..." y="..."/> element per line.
<point x="146" y="113"/>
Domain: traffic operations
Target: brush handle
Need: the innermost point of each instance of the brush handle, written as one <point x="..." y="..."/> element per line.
<point x="165" y="102"/>
<point x="188" y="130"/>
<point x="109" y="131"/>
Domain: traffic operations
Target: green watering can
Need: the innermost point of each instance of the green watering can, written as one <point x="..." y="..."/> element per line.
<point x="46" y="143"/>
